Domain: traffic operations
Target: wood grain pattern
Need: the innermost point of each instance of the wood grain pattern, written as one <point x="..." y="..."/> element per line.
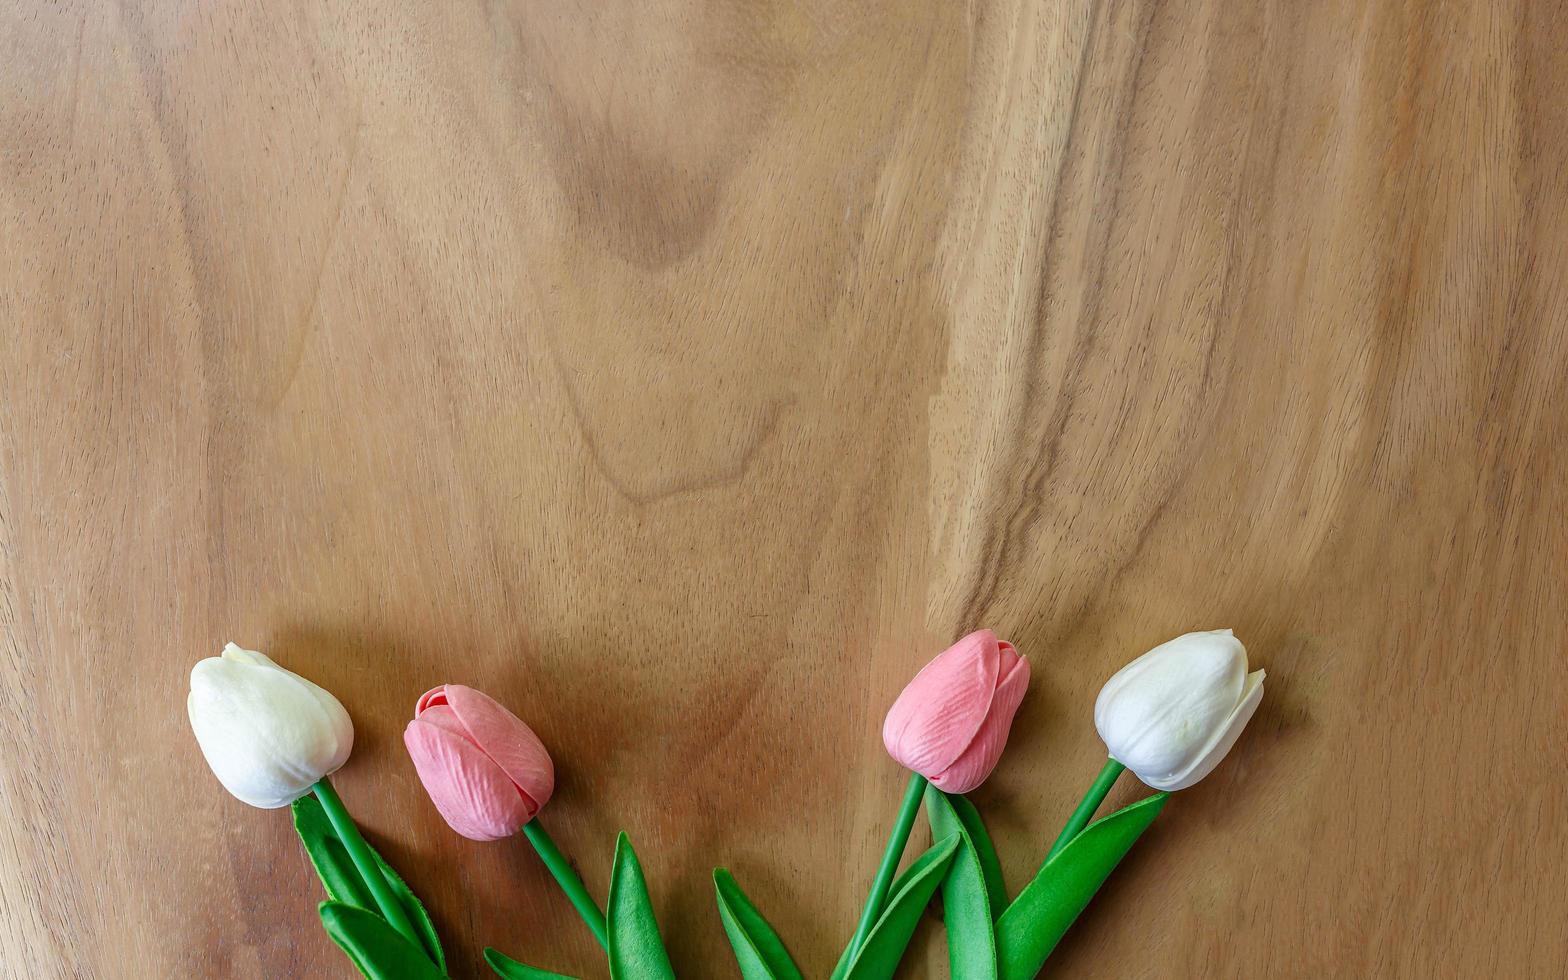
<point x="685" y="373"/>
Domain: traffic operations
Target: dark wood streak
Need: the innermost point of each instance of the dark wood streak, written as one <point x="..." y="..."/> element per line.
<point x="1005" y="537"/>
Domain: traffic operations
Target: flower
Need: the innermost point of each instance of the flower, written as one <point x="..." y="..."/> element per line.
<point x="950" y="724"/>
<point x="484" y="769"/>
<point x="268" y="733"/>
<point x="1171" y="715"/>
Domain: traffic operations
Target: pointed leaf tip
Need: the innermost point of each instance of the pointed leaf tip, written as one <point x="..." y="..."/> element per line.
<point x="343" y="883"/>
<point x="379" y="951"/>
<point x="889" y="938"/>
<point x="636" y="948"/>
<point x="510" y="969"/>
<point x="759" y="951"/>
<point x="1042" y="913"/>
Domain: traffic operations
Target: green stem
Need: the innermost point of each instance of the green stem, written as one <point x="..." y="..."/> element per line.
<point x="1091" y="802"/>
<point x="359" y="852"/>
<point x="890" y="858"/>
<point x="567" y="878"/>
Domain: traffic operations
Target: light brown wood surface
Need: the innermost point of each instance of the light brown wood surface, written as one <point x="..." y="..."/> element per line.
<point x="686" y="374"/>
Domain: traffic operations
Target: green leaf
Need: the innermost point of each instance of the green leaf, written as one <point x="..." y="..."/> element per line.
<point x="636" y="950"/>
<point x="897" y="886"/>
<point x="990" y="866"/>
<point x="509" y="968"/>
<point x="380" y="951"/>
<point x="1036" y="921"/>
<point x="885" y="946"/>
<point x="758" y="949"/>
<point x="341" y="878"/>
<point x="966" y="904"/>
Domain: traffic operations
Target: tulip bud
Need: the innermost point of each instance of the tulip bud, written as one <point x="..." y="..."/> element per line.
<point x="268" y="733"/>
<point x="1171" y="715"/>
<point x="950" y="724"/>
<point x="484" y="769"/>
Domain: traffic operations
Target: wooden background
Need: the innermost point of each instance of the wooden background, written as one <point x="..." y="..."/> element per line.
<point x="687" y="373"/>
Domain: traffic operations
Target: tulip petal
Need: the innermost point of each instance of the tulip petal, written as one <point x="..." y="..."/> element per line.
<point x="429" y="699"/>
<point x="336" y="719"/>
<point x="332" y="713"/>
<point x="474" y="796"/>
<point x="940" y="712"/>
<point x="1222" y="742"/>
<point x="444" y="717"/>
<point x="238" y="654"/>
<point x="971" y="769"/>
<point x="507" y="740"/>
<point x="1157" y="713"/>
<point x="267" y="733"/>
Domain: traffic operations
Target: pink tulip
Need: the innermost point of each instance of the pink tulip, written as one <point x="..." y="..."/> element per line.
<point x="950" y="724"/>
<point x="484" y="769"/>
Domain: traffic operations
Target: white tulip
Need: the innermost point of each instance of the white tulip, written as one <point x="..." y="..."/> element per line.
<point x="268" y="733"/>
<point x="1171" y="715"/>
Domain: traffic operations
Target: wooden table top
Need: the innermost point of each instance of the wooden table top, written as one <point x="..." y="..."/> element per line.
<point x="686" y="374"/>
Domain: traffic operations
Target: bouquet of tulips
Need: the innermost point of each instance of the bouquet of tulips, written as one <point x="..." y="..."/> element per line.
<point x="272" y="738"/>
